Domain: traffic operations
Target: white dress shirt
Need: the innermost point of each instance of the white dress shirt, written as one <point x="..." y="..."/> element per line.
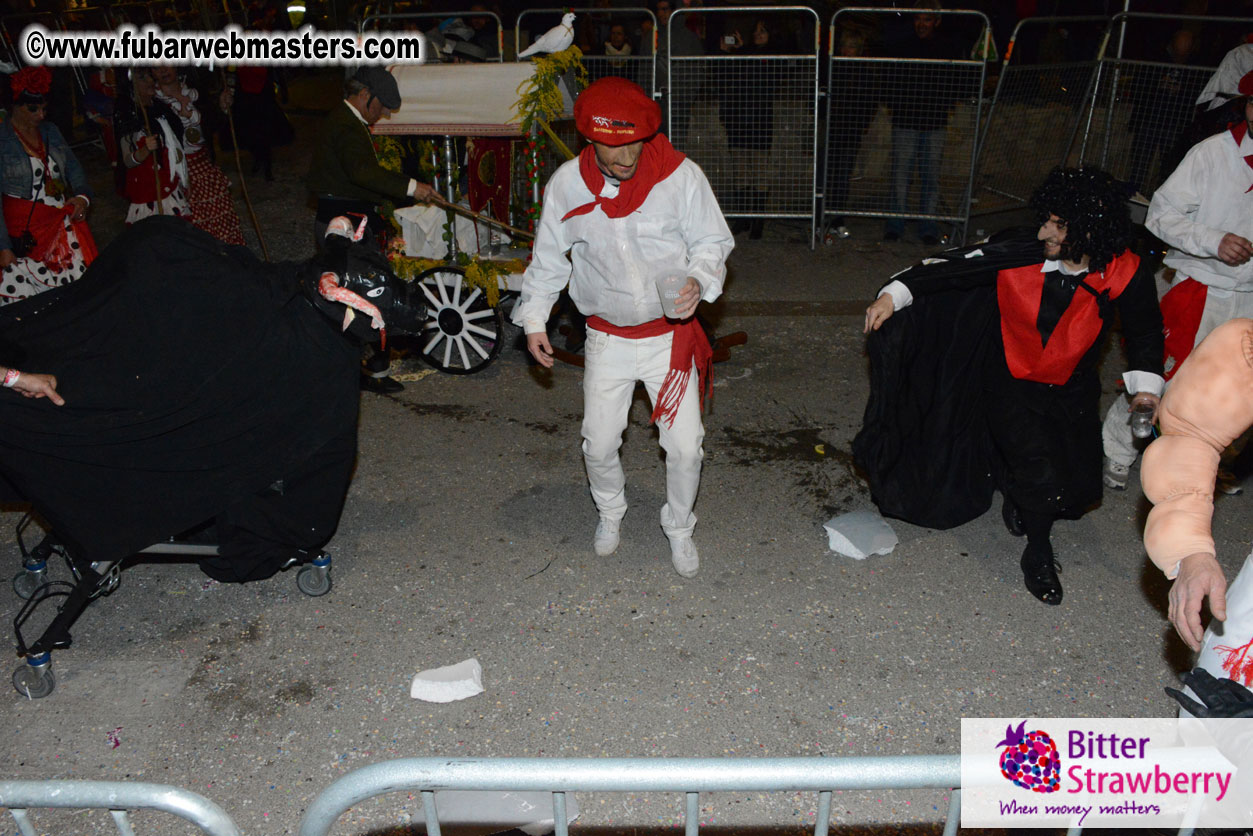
<point x="1205" y="198"/>
<point x="614" y="262"/>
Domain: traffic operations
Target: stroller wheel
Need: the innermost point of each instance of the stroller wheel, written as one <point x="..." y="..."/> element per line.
<point x="315" y="579"/>
<point x="34" y="682"/>
<point x="27" y="581"/>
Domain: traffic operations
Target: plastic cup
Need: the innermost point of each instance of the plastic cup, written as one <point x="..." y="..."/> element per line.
<point x="668" y="288"/>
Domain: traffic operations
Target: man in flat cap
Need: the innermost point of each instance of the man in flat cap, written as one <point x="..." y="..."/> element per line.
<point x="347" y="179"/>
<point x="629" y="211"/>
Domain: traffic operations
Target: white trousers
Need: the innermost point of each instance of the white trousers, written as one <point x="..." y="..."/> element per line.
<point x="1220" y="306"/>
<point x="612" y="366"/>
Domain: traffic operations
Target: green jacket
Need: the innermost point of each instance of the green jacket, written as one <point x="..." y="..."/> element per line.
<point x="345" y="165"/>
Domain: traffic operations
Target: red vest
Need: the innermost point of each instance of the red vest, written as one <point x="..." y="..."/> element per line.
<point x="1018" y="294"/>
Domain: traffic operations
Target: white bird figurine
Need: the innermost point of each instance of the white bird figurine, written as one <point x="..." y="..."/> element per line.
<point x="554" y="40"/>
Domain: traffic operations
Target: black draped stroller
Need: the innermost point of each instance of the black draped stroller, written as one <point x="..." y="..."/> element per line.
<point x="211" y="411"/>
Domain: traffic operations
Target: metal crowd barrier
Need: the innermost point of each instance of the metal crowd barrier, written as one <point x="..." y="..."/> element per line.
<point x="689" y="776"/>
<point x="900" y="132"/>
<point x="118" y="797"/>
<point x="1045" y="83"/>
<point x="391" y="21"/>
<point x="1143" y="101"/>
<point x="750" y="119"/>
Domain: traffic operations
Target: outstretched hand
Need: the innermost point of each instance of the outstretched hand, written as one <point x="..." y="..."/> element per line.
<point x="879" y="312"/>
<point x="38" y="386"/>
<point x="1223" y="698"/>
<point x="1199" y="577"/>
<point x="541" y="349"/>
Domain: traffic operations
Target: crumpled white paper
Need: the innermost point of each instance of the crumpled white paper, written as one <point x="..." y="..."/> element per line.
<point x="449" y="683"/>
<point x="859" y="534"/>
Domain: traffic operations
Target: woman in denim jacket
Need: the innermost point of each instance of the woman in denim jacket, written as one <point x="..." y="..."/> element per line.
<point x="44" y="239"/>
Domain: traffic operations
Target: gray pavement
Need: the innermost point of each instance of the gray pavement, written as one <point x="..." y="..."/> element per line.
<point x="467" y="533"/>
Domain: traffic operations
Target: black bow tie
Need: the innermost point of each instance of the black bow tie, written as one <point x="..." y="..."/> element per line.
<point x="1069" y="282"/>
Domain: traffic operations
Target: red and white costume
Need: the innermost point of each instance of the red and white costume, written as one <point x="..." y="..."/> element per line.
<point x="618" y="245"/>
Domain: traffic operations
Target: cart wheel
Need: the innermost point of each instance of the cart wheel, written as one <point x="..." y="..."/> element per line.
<point x="314" y="581"/>
<point x="34" y="683"/>
<point x="465" y="333"/>
<point x="27" y="581"/>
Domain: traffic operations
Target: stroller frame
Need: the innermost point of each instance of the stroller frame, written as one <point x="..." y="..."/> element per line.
<point x="34" y="678"/>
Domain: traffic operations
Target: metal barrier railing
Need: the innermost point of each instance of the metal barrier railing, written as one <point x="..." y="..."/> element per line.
<point x="749" y="116"/>
<point x="118" y="797"/>
<point x="919" y="115"/>
<point x="392" y="20"/>
<point x="1142" y="104"/>
<point x="1045" y="82"/>
<point x="689" y="776"/>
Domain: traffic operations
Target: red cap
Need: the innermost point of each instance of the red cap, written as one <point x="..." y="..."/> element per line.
<point x="1246" y="85"/>
<point x="614" y="111"/>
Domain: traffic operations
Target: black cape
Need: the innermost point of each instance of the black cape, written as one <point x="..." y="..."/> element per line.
<point x="195" y="377"/>
<point x="924" y="445"/>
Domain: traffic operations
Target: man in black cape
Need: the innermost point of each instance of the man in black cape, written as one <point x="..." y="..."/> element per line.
<point x="200" y="384"/>
<point x="986" y="379"/>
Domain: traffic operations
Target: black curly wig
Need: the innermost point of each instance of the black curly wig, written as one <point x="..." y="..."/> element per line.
<point x="1094" y="206"/>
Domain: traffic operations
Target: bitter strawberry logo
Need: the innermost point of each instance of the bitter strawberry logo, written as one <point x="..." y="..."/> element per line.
<point x="1030" y="759"/>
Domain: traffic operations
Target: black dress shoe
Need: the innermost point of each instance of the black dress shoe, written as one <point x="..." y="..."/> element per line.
<point x="381" y="385"/>
<point x="1039" y="573"/>
<point x="1012" y="517"/>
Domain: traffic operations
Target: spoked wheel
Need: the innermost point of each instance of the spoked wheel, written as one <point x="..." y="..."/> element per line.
<point x="464" y="334"/>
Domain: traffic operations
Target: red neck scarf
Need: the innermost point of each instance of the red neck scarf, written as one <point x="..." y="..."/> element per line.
<point x="1238" y="130"/>
<point x="658" y="160"/>
<point x="690" y="346"/>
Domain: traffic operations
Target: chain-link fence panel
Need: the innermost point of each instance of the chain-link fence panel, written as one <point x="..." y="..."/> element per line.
<point x="747" y="112"/>
<point x="620" y="41"/>
<point x="1154" y="67"/>
<point x="1042" y="91"/>
<point x="903" y="111"/>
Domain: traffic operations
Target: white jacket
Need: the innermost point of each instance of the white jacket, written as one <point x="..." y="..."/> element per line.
<point x="1205" y="198"/>
<point x="614" y="262"/>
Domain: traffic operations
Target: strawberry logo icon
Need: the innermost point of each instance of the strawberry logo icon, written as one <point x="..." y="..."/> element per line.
<point x="1030" y="759"/>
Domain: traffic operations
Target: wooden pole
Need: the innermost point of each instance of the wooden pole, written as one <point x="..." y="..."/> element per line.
<point x="488" y="219"/>
<point x="156" y="173"/>
<point x="239" y="167"/>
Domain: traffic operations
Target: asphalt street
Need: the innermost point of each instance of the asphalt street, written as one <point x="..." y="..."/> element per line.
<point x="467" y="534"/>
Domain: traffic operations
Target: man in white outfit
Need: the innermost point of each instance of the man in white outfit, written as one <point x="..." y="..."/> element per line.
<point x="631" y="210"/>
<point x="1204" y="211"/>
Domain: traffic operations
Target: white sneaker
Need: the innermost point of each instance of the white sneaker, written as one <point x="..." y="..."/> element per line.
<point x="606" y="540"/>
<point x="1114" y="475"/>
<point x="684" y="557"/>
<point x="842" y="232"/>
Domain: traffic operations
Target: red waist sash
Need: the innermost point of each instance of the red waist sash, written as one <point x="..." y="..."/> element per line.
<point x="47" y="226"/>
<point x="690" y="346"/>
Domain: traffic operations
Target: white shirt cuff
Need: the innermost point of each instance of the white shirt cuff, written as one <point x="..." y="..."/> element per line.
<point x="1137" y="382"/>
<point x="532" y="326"/>
<point x="413" y="187"/>
<point x="901" y="297"/>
